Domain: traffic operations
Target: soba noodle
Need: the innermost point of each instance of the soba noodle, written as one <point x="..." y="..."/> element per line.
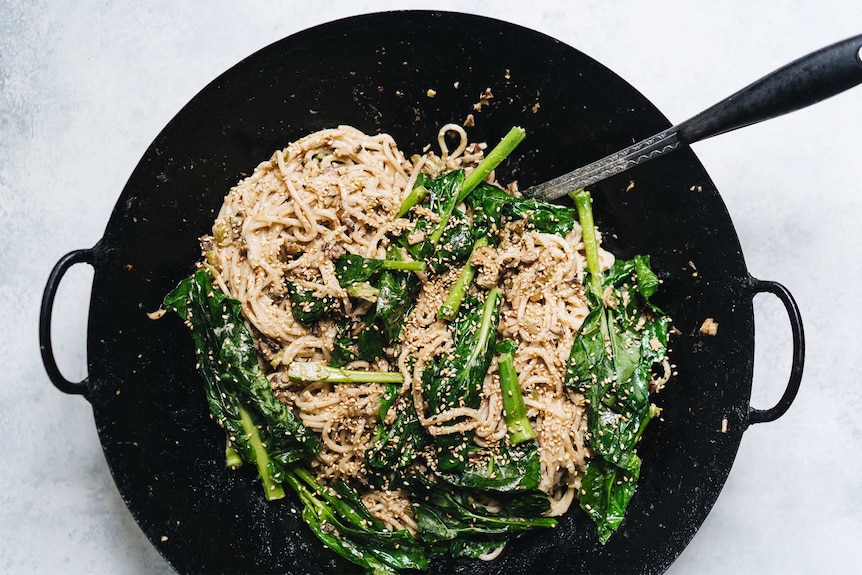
<point x="337" y="191"/>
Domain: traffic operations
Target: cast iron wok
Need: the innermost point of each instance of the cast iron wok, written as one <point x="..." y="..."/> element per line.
<point x="374" y="72"/>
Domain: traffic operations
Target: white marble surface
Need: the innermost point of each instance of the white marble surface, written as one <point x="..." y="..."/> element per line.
<point x="86" y="85"/>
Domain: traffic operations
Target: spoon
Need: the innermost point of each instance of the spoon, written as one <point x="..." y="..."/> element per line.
<point x="808" y="80"/>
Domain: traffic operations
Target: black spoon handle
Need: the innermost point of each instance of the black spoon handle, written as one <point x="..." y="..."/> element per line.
<point x="808" y="80"/>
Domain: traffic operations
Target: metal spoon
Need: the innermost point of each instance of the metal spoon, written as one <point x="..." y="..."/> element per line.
<point x="808" y="80"/>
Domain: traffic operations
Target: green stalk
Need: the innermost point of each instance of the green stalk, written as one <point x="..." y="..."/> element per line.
<point x="521" y="522"/>
<point x="509" y="142"/>
<point x="456" y="295"/>
<point x="434" y="238"/>
<point x="415" y="196"/>
<point x="333" y="500"/>
<point x="403" y="266"/>
<point x="322" y="518"/>
<point x="231" y="455"/>
<point x="313" y="371"/>
<point x="364" y="291"/>
<point x="583" y="203"/>
<point x="514" y="408"/>
<point x="272" y="488"/>
<point x="485" y="327"/>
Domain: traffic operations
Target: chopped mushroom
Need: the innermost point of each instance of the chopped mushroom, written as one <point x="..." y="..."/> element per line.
<point x="484" y="98"/>
<point x="709" y="327"/>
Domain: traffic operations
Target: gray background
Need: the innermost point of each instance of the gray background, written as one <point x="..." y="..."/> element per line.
<point x="85" y="86"/>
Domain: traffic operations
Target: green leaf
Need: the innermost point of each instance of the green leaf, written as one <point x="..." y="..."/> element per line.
<point x="395" y="299"/>
<point x="507" y="469"/>
<point x="611" y="362"/>
<point x="456" y="380"/>
<point x="354" y="532"/>
<point x="229" y="363"/>
<point x="445" y="513"/>
<point x="443" y="197"/>
<point x="395" y="447"/>
<point x="324" y="524"/>
<point x="474" y="548"/>
<point x="455" y="245"/>
<point x="493" y="207"/>
<point x="606" y="491"/>
<point x="307" y="308"/>
<point x="647" y="280"/>
<point x="351" y="268"/>
<point x="357" y="339"/>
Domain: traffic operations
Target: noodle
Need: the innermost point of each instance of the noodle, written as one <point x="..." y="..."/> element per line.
<point x="337" y="191"/>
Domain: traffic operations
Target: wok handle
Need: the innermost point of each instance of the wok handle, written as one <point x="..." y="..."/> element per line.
<point x="45" y="344"/>
<point x="782" y="293"/>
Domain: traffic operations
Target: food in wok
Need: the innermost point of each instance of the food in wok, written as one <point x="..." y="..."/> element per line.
<point x="432" y="362"/>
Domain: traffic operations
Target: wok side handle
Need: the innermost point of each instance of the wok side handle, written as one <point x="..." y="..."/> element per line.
<point x="782" y="293"/>
<point x="45" y="344"/>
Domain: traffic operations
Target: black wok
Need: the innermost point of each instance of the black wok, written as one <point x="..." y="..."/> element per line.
<point x="374" y="72"/>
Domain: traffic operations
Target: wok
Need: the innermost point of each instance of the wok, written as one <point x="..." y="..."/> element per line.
<point x="375" y="72"/>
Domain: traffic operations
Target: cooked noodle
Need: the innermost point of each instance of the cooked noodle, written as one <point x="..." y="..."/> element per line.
<point x="337" y="191"/>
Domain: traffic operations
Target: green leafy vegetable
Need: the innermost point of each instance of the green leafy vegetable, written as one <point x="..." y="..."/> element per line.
<point x="455" y="380"/>
<point x="395" y="447"/>
<point x="351" y="268"/>
<point x="492" y="207"/>
<point x="611" y="361"/>
<point x="307" y="308"/>
<point x="505" y="469"/>
<point x="455" y="244"/>
<point x="474" y="548"/>
<point x="397" y="292"/>
<point x="443" y="194"/>
<point x="339" y="518"/>
<point x="450" y="189"/>
<point x="445" y="514"/>
<point x="392" y="289"/>
<point x="238" y="393"/>
<point x="357" y="339"/>
<point x="606" y="491"/>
